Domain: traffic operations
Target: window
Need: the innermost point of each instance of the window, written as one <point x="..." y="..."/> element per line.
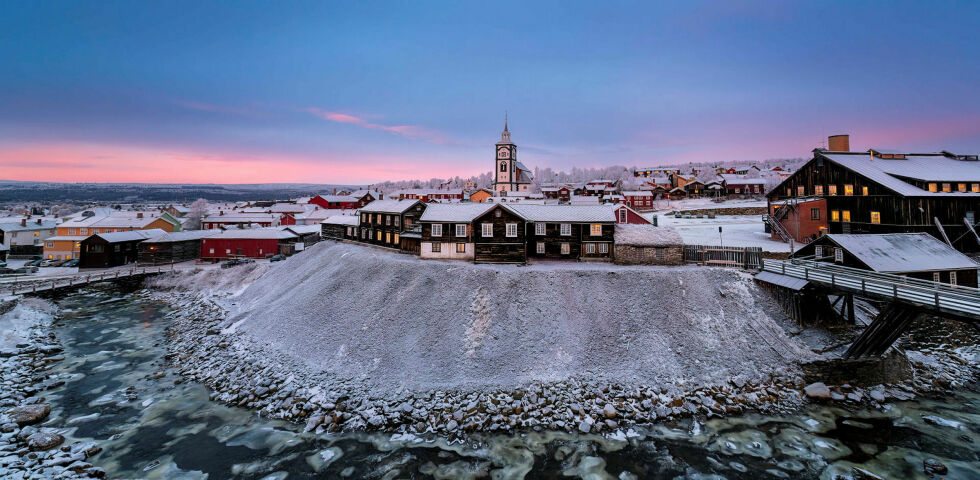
<point x="49" y="244"/>
<point x="947" y="188"/>
<point x="832" y="189"/>
<point x="846" y="215"/>
<point x="364" y="218"/>
<point x="211" y="251"/>
<point x="460" y="229"/>
<point x="486" y="230"/>
<point x="848" y="189"/>
<point x="589" y="248"/>
<point x="659" y="254"/>
<point x="864" y="191"/>
<point x="227" y="251"/>
<point x="818" y="190"/>
<point x="396" y="238"/>
<point x="503" y="166"/>
<point x="834" y="216"/>
<point x="398" y="220"/>
<point x="799" y="190"/>
<point x="566" y="249"/>
<point x="71" y="231"/>
<point x="622" y="215"/>
<point x="539" y="228"/>
<point x="387" y="219"/>
<point x="566" y="229"/>
<point x="838" y="254"/>
<point x="460" y="248"/>
<point x="935" y="277"/>
<point x="370" y="217"/>
<point x="511" y="230"/>
<point x="378" y="236"/>
<point x="952" y="278"/>
<point x="814" y="214"/>
<point x="789" y="191"/>
<point x="387" y="237"/>
<point x="817" y="252"/>
<point x="932" y="187"/>
<point x="875" y="217"/>
<point x="436" y="229"/>
<point x="436" y="247"/>
<point x="976" y="188"/>
<point x="595" y="230"/>
<point x="603" y="248"/>
<point x="377" y="219"/>
<point x="540" y="248"/>
<point x="960" y="187"/>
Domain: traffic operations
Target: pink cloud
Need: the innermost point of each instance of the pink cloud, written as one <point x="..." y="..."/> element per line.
<point x="413" y="132"/>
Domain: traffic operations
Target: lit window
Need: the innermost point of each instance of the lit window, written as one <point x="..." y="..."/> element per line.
<point x="566" y="249"/>
<point x="540" y="248"/>
<point x="875" y="217"/>
<point x="818" y="190"/>
<point x="961" y="187"/>
<point x="460" y="248"/>
<point x="864" y="191"/>
<point x="486" y="229"/>
<point x="932" y="187"/>
<point x="387" y="237"/>
<point x="566" y="229"/>
<point x="511" y="230"/>
<point x="396" y="238"/>
<point x="848" y="189"/>
<point x="834" y="216"/>
<point x="595" y="230"/>
<point x="947" y="188"/>
<point x="460" y="229"/>
<point x="846" y="215"/>
<point x="436" y="229"/>
<point x="378" y="236"/>
<point x="539" y="228"/>
<point x="832" y="189"/>
<point x="799" y="191"/>
<point x="976" y="188"/>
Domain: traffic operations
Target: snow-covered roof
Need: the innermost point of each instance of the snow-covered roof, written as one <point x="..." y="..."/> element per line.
<point x="242" y="218"/>
<point x="338" y="198"/>
<point x="563" y="213"/>
<point x="787" y="281"/>
<point x="927" y="168"/>
<point x="642" y="235"/>
<point x="660" y="180"/>
<point x="637" y="193"/>
<point x="352" y="220"/>
<point x="454" y="212"/>
<point x="30" y="226"/>
<point x="76" y="238"/>
<point x="184" y="236"/>
<point x="303" y="229"/>
<point x="254" y="234"/>
<point x="902" y="252"/>
<point x="741" y="180"/>
<point x="130" y="235"/>
<point x="389" y="206"/>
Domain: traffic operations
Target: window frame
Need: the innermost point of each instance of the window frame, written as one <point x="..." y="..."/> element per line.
<point x="838" y="254"/>
<point x="540" y="229"/>
<point x="460" y="247"/>
<point x="590" y="248"/>
<point x="507" y="230"/>
<point x="814" y="214"/>
<point x="875" y="217"/>
<point x="486" y="230"/>
<point x="459" y="229"/>
<point x="565" y="230"/>
<point x="435" y="230"/>
<point x="848" y="189"/>
<point x="594" y="228"/>
<point x="540" y="248"/>
<point x="566" y="248"/>
<point x="845" y="216"/>
<point x="436" y="247"/>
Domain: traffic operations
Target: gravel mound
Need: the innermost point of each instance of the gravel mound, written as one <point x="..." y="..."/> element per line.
<point x="390" y="322"/>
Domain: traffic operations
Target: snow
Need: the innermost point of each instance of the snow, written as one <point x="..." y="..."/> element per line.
<point x="646" y="236"/>
<point x="737" y="231"/>
<point x="27" y="314"/>
<point x="903" y="252"/>
<point x="425" y="325"/>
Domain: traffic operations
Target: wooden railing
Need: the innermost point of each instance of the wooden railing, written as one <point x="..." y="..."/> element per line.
<point x="960" y="300"/>
<point x="743" y="257"/>
<point x="39" y="284"/>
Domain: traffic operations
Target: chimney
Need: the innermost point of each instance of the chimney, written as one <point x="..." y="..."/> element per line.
<point x="39" y="221"/>
<point x="139" y="215"/>
<point x="23" y="222"/>
<point x="839" y="143"/>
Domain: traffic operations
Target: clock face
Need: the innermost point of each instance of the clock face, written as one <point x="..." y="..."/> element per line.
<point x="503" y="153"/>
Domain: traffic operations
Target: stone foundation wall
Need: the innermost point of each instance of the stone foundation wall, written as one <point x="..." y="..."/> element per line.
<point x="632" y="255"/>
<point x="894" y="367"/>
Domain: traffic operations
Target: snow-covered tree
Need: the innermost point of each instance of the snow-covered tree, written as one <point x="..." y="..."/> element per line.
<point x="198" y="210"/>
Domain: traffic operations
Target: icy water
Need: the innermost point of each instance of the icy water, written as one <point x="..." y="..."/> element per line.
<point x="119" y="392"/>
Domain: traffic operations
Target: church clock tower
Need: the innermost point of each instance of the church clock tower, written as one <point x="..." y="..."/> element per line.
<point x="507" y="174"/>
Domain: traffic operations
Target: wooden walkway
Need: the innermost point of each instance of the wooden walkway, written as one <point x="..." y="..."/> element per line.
<point x="40" y="284"/>
<point x="959" y="301"/>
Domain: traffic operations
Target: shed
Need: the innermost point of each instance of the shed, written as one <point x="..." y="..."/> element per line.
<point x="105" y="250"/>
<point x="637" y="244"/>
<point x="173" y="247"/>
<point x="339" y="227"/>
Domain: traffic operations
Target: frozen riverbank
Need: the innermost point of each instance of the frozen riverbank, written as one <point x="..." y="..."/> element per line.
<point x="350" y="337"/>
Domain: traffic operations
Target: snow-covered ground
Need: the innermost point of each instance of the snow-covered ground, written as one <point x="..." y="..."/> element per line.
<point x="736" y="231"/>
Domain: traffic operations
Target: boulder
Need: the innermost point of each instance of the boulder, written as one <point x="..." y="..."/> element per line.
<point x="29" y="414"/>
<point x="44" y="440"/>
<point x="817" y="390"/>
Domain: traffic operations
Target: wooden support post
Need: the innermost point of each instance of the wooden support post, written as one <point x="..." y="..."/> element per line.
<point x="850" y="309"/>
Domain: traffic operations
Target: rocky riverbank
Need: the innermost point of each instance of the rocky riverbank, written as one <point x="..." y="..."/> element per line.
<point x="30" y="445"/>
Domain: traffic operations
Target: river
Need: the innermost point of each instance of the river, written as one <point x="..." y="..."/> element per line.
<point x="119" y="392"/>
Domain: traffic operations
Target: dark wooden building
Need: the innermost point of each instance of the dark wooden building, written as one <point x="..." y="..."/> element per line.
<point x="888" y="192"/>
<point x="104" y="250"/>
<point x="499" y="236"/>
<point x="916" y="255"/>
<point x="383" y="223"/>
<point x="173" y="247"/>
<point x="306" y="235"/>
<point x="448" y="230"/>
<point x="583" y="232"/>
<point x="341" y="227"/>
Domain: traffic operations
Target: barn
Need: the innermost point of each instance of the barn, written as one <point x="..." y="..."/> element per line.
<point x="247" y="242"/>
<point x="647" y="245"/>
<point x="173" y="247"/>
<point x="104" y="250"/>
<point x="915" y="255"/>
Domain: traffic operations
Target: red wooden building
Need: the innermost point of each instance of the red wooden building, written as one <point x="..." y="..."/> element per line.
<point x="639" y="199"/>
<point x="338" y="202"/>
<point x="246" y="242"/>
<point x="625" y="214"/>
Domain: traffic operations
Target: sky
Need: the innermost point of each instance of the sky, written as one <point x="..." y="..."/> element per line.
<point x="361" y="92"/>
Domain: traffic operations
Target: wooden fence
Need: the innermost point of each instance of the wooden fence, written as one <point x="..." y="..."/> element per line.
<point x="743" y="257"/>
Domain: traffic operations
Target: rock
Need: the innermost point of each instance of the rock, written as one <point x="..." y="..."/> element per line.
<point x="584" y="427"/>
<point x="313" y="422"/>
<point x="817" y="390"/>
<point x="44" y="440"/>
<point x="29" y="414"/>
<point x="609" y="411"/>
<point x="878" y="395"/>
<point x="934" y="467"/>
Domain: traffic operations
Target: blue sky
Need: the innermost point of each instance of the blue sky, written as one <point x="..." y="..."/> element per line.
<point x="368" y="91"/>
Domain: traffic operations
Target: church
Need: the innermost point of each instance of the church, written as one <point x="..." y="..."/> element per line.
<point x="510" y="175"/>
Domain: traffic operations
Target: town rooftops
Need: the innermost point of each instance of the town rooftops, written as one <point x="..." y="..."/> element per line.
<point x="390" y="206"/>
<point x="31" y="224"/>
<point x="187" y="235"/>
<point x="339" y="198"/>
<point x="734" y="179"/>
<point x="450" y="212"/>
<point x="902" y="252"/>
<point x="132" y="235"/>
<point x="563" y="213"/>
<point x="302" y="229"/>
<point x="922" y="167"/>
<point x="253" y="234"/>
<point x="643" y="235"/>
<point x="350" y="220"/>
<point x="238" y="217"/>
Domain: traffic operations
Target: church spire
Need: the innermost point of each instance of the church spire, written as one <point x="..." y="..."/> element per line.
<point x="505" y="135"/>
